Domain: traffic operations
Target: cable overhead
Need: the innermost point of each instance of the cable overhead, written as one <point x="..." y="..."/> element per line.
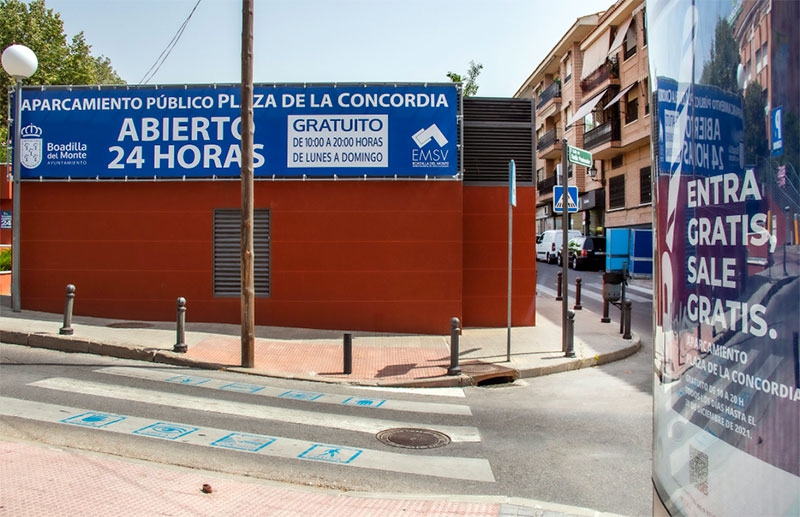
<point x="170" y="46"/>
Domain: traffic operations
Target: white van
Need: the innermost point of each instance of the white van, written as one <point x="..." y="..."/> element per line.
<point x="549" y="242"/>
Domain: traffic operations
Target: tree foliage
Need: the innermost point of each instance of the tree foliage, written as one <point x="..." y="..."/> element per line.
<point x="720" y="69"/>
<point x="60" y="61"/>
<point x="469" y="82"/>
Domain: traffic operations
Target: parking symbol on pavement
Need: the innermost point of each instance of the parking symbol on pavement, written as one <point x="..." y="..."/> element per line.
<point x="189" y="381"/>
<point x="93" y="419"/>
<point x="363" y="402"/>
<point x="300" y="395"/>
<point x="331" y="453"/>
<point x="242" y="387"/>
<point x="244" y="442"/>
<point x="165" y="430"/>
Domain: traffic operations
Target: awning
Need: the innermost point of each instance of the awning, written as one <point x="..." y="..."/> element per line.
<point x="586" y="108"/>
<point x="595" y="55"/>
<point x="619" y="95"/>
<point x="620" y="37"/>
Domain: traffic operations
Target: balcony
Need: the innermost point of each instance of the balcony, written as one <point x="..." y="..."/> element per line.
<point x="607" y="71"/>
<point x="602" y="134"/>
<point x="550" y="93"/>
<point x="549" y="146"/>
<point x="545" y="187"/>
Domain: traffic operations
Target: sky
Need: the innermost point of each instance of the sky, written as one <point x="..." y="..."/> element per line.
<point x="326" y="41"/>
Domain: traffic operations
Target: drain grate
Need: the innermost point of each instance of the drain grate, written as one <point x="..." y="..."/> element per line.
<point x="129" y="325"/>
<point x="413" y="438"/>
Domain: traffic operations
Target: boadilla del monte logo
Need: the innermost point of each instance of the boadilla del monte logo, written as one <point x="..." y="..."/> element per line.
<point x="31" y="146"/>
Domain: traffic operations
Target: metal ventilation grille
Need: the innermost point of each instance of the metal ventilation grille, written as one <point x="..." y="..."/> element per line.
<point x="228" y="252"/>
<point x="495" y="132"/>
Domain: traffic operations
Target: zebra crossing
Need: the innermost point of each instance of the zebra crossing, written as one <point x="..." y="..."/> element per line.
<point x="594" y="291"/>
<point x="371" y="414"/>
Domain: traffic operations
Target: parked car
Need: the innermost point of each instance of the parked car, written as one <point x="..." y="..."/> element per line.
<point x="586" y="253"/>
<point x="549" y="242"/>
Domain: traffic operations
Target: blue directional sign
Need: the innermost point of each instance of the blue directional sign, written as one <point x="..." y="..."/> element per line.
<point x="300" y="395"/>
<point x="93" y="419"/>
<point x="244" y="442"/>
<point x="242" y="387"/>
<point x="558" y="199"/>
<point x="776" y="140"/>
<point x="363" y="402"/>
<point x="188" y="380"/>
<point x="331" y="453"/>
<point x="165" y="430"/>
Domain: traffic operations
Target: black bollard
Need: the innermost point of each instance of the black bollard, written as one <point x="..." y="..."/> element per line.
<point x="570" y="351"/>
<point x="577" y="305"/>
<point x="558" y="287"/>
<point x="454" y="369"/>
<point x="180" y="328"/>
<point x="605" y="318"/>
<point x="627" y="316"/>
<point x="348" y="353"/>
<point x="67" y="329"/>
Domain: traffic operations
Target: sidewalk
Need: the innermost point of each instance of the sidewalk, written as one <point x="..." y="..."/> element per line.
<point x="318" y="355"/>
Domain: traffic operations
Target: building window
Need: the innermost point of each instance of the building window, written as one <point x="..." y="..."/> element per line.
<point x="631" y="106"/>
<point x="539" y="176"/>
<point x="616" y="192"/>
<point x="227" y="267"/>
<point x="646" y="97"/>
<point x="616" y="162"/>
<point x="630" y="40"/>
<point x="645" y="195"/>
<point x="644" y="27"/>
<point x="568" y="68"/>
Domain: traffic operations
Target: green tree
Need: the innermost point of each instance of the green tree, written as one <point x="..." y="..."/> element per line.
<point x="469" y="82"/>
<point x="720" y="69"/>
<point x="756" y="145"/>
<point x="60" y="61"/>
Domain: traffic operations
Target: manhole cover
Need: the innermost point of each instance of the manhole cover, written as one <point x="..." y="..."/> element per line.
<point x="129" y="325"/>
<point x="413" y="438"/>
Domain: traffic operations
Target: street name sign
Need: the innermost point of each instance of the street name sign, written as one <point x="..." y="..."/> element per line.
<point x="579" y="156"/>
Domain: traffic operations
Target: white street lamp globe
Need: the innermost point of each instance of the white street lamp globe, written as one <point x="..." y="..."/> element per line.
<point x="19" y="61"/>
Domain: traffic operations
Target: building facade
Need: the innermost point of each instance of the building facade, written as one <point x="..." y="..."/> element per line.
<point x="592" y="90"/>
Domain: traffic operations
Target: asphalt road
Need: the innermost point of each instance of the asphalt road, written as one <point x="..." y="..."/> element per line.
<point x="580" y="438"/>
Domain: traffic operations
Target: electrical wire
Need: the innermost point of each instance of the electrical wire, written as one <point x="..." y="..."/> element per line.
<point x="168" y="49"/>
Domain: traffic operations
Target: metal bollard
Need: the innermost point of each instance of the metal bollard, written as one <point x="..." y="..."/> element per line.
<point x="627" y="317"/>
<point x="577" y="305"/>
<point x="605" y="318"/>
<point x="454" y="369"/>
<point x="180" y="347"/>
<point x="67" y="329"/>
<point x="570" y="351"/>
<point x="558" y="287"/>
<point x="347" y="342"/>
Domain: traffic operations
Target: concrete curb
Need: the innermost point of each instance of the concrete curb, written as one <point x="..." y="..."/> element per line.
<point x="72" y="344"/>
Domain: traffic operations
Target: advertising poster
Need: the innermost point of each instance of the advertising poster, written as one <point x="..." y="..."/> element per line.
<point x="194" y="132"/>
<point x="727" y="360"/>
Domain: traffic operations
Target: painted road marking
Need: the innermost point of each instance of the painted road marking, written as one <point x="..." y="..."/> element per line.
<point x="166" y="430"/>
<point x="326" y="398"/>
<point x="593" y="295"/>
<point x="293" y="416"/>
<point x="472" y="469"/>
<point x="363" y="402"/>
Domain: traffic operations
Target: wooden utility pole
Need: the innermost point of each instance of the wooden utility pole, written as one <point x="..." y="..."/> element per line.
<point x="247" y="129"/>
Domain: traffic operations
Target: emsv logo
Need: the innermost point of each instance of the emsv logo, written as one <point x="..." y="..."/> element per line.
<point x="430" y="155"/>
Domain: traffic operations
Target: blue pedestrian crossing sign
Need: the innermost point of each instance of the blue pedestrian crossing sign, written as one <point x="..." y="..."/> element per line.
<point x="558" y="199"/>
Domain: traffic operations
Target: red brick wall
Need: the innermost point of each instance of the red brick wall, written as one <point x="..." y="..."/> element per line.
<point x="398" y="256"/>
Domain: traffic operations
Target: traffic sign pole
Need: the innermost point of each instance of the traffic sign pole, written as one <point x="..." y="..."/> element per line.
<point x="564" y="243"/>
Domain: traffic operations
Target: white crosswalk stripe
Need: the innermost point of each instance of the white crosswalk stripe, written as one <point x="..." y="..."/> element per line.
<point x="310" y="396"/>
<point x="474" y="469"/>
<point x="194" y="394"/>
<point x="594" y="291"/>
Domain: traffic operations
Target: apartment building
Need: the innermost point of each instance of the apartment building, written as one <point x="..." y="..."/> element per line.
<point x="592" y="90"/>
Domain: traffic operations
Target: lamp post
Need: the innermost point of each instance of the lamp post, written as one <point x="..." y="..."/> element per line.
<point x="20" y="63"/>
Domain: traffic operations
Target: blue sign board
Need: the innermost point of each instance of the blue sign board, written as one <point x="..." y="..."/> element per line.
<point x="776" y="131"/>
<point x="195" y="131"/>
<point x="558" y="199"/>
